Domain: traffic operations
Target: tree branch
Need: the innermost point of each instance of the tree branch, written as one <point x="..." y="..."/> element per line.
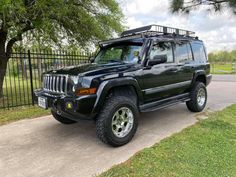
<point x="189" y="5"/>
<point x="13" y="40"/>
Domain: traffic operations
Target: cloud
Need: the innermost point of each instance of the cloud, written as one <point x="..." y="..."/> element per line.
<point x="217" y="30"/>
<point x="133" y="22"/>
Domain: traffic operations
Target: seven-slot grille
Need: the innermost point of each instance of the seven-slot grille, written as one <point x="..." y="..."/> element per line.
<point x="55" y="83"/>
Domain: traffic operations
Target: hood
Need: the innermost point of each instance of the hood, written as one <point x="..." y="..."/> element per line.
<point x="92" y="69"/>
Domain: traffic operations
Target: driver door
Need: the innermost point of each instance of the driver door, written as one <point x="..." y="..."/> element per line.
<point x="158" y="81"/>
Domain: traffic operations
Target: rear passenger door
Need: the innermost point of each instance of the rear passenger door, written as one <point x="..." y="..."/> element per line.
<point x="185" y="65"/>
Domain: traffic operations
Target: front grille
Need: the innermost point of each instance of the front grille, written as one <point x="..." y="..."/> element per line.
<point x="55" y="83"/>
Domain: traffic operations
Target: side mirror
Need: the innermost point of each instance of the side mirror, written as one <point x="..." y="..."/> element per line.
<point x="92" y="59"/>
<point x="157" y="59"/>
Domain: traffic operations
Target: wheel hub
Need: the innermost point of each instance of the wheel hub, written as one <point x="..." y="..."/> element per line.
<point x="201" y="97"/>
<point x="122" y="122"/>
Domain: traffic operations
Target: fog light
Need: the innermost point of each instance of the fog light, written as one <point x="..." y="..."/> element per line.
<point x="69" y="105"/>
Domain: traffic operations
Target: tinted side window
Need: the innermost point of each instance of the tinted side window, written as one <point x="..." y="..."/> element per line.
<point x="162" y="48"/>
<point x="183" y="52"/>
<point x="198" y="51"/>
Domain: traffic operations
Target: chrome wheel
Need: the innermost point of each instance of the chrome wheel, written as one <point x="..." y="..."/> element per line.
<point x="201" y="97"/>
<point x="122" y="122"/>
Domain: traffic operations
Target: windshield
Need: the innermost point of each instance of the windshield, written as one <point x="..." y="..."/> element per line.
<point x="122" y="53"/>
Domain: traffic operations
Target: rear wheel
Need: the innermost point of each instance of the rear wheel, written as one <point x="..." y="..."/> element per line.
<point x="118" y="121"/>
<point x="61" y="119"/>
<point x="198" y="97"/>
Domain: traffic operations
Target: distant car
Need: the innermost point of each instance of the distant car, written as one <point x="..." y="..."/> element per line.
<point x="146" y="69"/>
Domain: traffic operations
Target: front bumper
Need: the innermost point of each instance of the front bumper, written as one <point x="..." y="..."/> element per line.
<point x="82" y="106"/>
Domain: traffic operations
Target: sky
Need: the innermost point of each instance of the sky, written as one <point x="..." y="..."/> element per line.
<point x="217" y="30"/>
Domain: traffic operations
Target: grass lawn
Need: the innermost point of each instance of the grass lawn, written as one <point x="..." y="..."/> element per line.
<point x="223" y="68"/>
<point x="207" y="148"/>
<point x="7" y="116"/>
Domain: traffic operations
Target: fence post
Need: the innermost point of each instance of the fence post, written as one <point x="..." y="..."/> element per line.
<point x="234" y="67"/>
<point x="31" y="78"/>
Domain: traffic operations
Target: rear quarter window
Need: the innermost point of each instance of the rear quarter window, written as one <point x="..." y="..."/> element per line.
<point x="199" y="52"/>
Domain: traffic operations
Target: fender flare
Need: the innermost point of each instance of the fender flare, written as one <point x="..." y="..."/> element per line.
<point x="198" y="73"/>
<point x="107" y="85"/>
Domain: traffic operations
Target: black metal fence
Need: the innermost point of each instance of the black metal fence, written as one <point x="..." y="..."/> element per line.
<point x="24" y="72"/>
<point x="223" y="67"/>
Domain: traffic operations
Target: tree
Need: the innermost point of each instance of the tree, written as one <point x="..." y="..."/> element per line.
<point x="222" y="56"/>
<point x="187" y="6"/>
<point x="79" y="22"/>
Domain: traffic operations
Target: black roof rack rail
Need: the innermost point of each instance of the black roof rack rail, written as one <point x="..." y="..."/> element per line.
<point x="119" y="39"/>
<point x="157" y="29"/>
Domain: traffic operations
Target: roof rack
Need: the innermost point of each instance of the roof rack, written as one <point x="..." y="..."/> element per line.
<point x="150" y="30"/>
<point x="157" y="29"/>
<point x="120" y="39"/>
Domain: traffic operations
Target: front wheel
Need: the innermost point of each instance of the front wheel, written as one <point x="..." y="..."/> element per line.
<point x="118" y="121"/>
<point x="198" y="97"/>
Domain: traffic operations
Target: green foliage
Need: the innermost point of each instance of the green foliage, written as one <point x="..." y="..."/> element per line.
<point x="222" y="56"/>
<point x="187" y="6"/>
<point x="78" y="21"/>
<point x="176" y="5"/>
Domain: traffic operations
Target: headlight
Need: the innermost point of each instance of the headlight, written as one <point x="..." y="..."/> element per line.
<point x="74" y="79"/>
<point x="73" y="88"/>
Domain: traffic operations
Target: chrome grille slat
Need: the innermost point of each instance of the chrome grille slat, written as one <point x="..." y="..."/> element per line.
<point x="61" y="84"/>
<point x="50" y="87"/>
<point x="55" y="83"/>
<point x="57" y="89"/>
<point x="66" y="80"/>
<point x="47" y="83"/>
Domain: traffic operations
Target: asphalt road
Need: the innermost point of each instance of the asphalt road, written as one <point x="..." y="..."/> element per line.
<point x="43" y="147"/>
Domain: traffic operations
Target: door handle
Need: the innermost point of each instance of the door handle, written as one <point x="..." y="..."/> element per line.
<point x="180" y="64"/>
<point x="173" y="69"/>
<point x="147" y="68"/>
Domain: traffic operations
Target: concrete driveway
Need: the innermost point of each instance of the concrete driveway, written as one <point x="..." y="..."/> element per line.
<point x="43" y="147"/>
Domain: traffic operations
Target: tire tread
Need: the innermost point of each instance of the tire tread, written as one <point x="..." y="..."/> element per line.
<point x="104" y="115"/>
<point x="192" y="105"/>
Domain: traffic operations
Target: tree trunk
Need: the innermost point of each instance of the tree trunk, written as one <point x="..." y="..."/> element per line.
<point x="3" y="59"/>
<point x="3" y="68"/>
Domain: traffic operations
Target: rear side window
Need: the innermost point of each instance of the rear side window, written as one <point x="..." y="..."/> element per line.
<point x="183" y="52"/>
<point x="199" y="52"/>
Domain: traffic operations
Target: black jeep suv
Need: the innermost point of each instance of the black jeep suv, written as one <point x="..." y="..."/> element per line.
<point x="146" y="69"/>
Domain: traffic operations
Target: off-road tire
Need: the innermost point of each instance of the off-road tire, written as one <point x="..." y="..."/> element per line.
<point x="193" y="104"/>
<point x="104" y="120"/>
<point x="61" y="119"/>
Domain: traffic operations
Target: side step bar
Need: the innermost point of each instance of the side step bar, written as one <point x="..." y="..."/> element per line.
<point x="153" y="106"/>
